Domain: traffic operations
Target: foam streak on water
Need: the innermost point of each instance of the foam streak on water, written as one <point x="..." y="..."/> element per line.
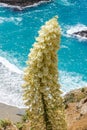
<point x="15" y="20"/>
<point x="65" y="2"/>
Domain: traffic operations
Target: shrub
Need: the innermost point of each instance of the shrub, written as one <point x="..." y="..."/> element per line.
<point x="19" y="125"/>
<point x="83" y="90"/>
<point x="5" y="123"/>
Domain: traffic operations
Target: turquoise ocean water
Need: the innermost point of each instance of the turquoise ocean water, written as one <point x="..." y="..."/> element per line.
<point x="18" y="30"/>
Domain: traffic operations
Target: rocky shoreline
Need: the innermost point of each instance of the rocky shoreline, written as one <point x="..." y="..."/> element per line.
<point x="22" y="3"/>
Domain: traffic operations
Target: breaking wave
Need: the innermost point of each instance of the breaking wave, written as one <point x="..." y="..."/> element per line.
<point x="70" y="81"/>
<point x="11" y="82"/>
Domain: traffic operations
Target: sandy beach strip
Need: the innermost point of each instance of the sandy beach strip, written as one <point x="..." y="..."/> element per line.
<point x="11" y="113"/>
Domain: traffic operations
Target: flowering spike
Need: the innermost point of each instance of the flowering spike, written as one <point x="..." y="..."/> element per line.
<point x="42" y="91"/>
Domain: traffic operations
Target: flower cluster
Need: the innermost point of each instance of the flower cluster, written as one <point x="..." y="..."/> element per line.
<point x="42" y="91"/>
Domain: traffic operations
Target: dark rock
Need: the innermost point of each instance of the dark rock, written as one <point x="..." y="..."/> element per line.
<point x="21" y="3"/>
<point x="82" y="33"/>
<point x="21" y="112"/>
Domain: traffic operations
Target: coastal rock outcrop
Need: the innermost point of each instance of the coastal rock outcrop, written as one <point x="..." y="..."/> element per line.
<point x="22" y="3"/>
<point x="79" y="31"/>
<point x="82" y="33"/>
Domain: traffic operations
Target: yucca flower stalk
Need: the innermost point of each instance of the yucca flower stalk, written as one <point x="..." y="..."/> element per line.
<point x="41" y="89"/>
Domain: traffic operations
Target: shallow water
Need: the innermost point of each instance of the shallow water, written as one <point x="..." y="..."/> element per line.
<point x="18" y="30"/>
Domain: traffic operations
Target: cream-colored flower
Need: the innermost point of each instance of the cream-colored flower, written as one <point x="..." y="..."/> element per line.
<point x="42" y="91"/>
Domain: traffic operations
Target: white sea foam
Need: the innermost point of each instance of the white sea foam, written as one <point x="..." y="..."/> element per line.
<point x="70" y="81"/>
<point x="63" y="46"/>
<point x="10" y="66"/>
<point x="11" y="82"/>
<point x="15" y="20"/>
<point x="77" y="28"/>
<point x="65" y="2"/>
